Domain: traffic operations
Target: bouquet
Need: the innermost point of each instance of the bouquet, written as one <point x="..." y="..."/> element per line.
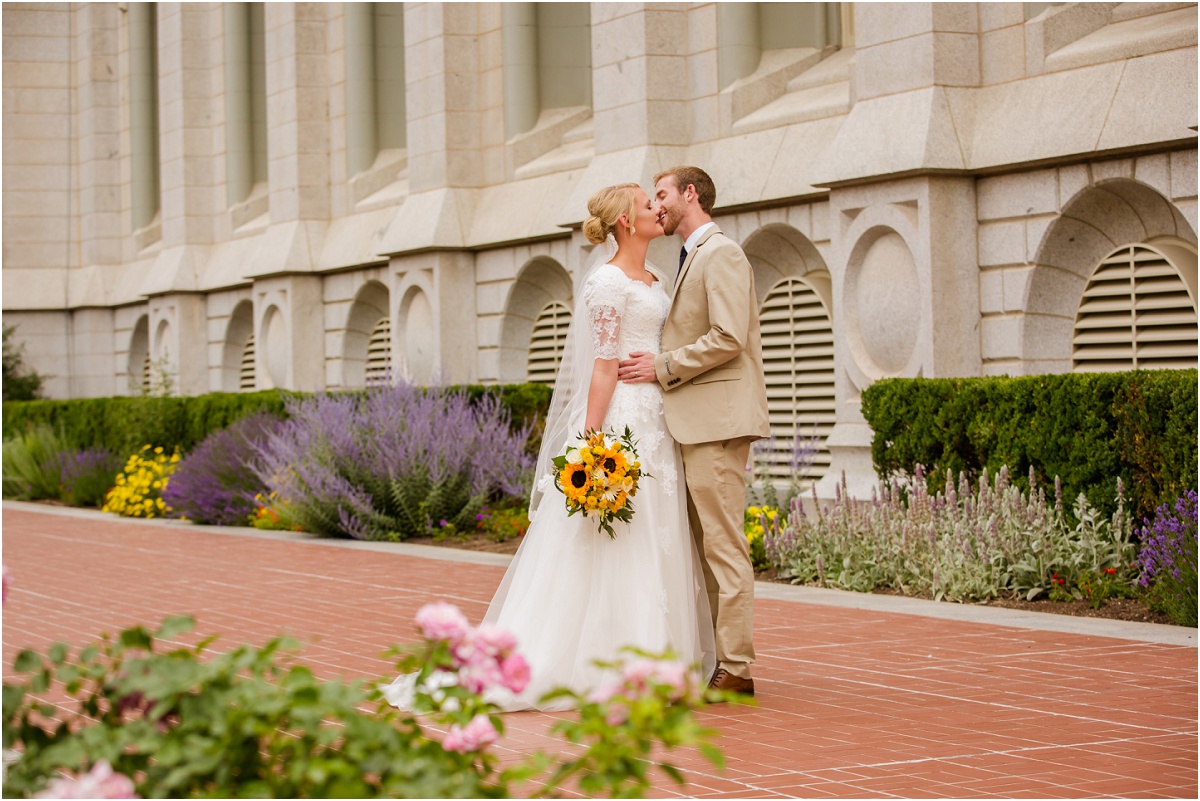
<point x="598" y="475"/>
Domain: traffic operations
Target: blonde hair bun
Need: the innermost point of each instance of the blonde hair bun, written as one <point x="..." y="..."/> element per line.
<point x="595" y="230"/>
<point x="606" y="208"/>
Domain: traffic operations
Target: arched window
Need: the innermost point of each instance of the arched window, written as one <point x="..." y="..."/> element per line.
<point x="547" y="342"/>
<point x="1136" y="313"/>
<point x="797" y="340"/>
<point x="379" y="354"/>
<point x="246" y="382"/>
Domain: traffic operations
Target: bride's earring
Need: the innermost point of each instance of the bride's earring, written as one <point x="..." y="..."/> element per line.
<point x="632" y="230"/>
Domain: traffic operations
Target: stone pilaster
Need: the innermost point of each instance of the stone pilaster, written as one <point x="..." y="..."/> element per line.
<point x="906" y="301"/>
<point x="298" y="112"/>
<point x="186" y="101"/>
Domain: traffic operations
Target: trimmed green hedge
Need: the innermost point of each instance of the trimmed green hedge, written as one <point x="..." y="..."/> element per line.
<point x="1086" y="428"/>
<point x="124" y="425"/>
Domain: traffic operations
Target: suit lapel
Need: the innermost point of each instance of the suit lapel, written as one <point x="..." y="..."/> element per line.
<point x="691" y="256"/>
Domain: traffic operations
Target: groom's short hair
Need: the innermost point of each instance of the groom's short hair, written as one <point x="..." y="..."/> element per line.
<point x="706" y="192"/>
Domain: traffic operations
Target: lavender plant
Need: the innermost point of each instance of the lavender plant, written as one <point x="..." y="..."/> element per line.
<point x="216" y="483"/>
<point x="964" y="544"/>
<point x="388" y="463"/>
<point x="1168" y="559"/>
<point x="797" y="461"/>
<point x="88" y="475"/>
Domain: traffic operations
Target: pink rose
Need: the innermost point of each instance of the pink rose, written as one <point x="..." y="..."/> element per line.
<point x="616" y="714"/>
<point x="442" y="621"/>
<point x="638" y="672"/>
<point x="675" y="676"/>
<point x="477" y="734"/>
<point x="480" y="674"/>
<point x="100" y="782"/>
<point x="514" y="672"/>
<point x="494" y="640"/>
<point x="605" y="693"/>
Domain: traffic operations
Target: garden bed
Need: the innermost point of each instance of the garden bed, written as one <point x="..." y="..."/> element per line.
<point x="1113" y="609"/>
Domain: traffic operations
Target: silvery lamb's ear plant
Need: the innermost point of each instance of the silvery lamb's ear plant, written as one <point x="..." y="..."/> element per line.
<point x="967" y="543"/>
<point x="390" y="462"/>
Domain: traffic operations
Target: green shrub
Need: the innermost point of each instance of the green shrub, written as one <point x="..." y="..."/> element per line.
<point x="177" y="722"/>
<point x="125" y="424"/>
<point x="1090" y="429"/>
<point x="33" y="464"/>
<point x="20" y="381"/>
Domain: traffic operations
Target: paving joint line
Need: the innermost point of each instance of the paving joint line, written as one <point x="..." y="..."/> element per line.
<point x="993" y="616"/>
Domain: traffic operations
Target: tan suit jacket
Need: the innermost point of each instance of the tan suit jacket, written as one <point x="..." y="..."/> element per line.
<point x="711" y="366"/>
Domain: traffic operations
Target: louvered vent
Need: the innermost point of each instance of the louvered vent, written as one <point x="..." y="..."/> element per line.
<point x="246" y="371"/>
<point x="146" y="373"/>
<point x="1136" y="313"/>
<point x="547" y="343"/>
<point x="797" y="338"/>
<point x="379" y="354"/>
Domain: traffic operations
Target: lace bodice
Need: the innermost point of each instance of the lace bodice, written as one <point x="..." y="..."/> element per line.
<point x="626" y="316"/>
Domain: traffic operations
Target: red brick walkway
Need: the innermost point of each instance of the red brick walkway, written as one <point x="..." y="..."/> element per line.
<point x="852" y="702"/>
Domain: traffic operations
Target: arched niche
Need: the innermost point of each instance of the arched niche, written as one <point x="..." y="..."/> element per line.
<point x="795" y="303"/>
<point x="1094" y="224"/>
<point x="541" y="283"/>
<point x="238" y="335"/>
<point x="371" y="304"/>
<point x="138" y="366"/>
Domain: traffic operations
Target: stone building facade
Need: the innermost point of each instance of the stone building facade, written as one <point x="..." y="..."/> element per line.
<point x="325" y="195"/>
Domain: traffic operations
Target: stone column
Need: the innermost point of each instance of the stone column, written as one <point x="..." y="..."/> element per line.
<point x="297" y="112"/>
<point x="289" y="333"/>
<point x="904" y="267"/>
<point x="175" y="319"/>
<point x="185" y="121"/>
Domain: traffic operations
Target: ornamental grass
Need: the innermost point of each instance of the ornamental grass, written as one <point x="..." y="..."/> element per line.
<point x="967" y="543"/>
<point x="32" y="464"/>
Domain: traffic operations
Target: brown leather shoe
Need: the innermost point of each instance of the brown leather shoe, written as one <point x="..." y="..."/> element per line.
<point x="724" y="680"/>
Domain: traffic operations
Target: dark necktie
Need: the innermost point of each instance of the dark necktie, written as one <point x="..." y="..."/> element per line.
<point x="682" y="257"/>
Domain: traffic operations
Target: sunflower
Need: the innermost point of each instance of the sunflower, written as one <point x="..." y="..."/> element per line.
<point x="613" y="462"/>
<point x="573" y="480"/>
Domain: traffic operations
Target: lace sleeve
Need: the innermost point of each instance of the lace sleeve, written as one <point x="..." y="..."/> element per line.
<point x="604" y="296"/>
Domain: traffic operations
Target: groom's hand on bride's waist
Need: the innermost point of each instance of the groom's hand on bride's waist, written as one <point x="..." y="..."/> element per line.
<point x="637" y="369"/>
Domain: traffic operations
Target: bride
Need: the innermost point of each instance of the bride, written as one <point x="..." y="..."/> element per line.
<point x="572" y="595"/>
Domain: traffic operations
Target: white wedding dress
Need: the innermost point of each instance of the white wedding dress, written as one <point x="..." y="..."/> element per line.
<point x="572" y="595"/>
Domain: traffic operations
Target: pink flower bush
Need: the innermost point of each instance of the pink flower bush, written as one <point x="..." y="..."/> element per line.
<point x="514" y="672"/>
<point x="100" y="782"/>
<point x="639" y="673"/>
<point x="483" y="657"/>
<point x="643" y="677"/>
<point x="443" y="621"/>
<point x="476" y="735"/>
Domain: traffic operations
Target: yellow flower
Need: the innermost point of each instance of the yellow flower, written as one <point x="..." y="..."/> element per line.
<point x="613" y="461"/>
<point x="573" y="479"/>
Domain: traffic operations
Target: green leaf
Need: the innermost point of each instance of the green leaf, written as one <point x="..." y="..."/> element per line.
<point x="27" y="661"/>
<point x="172" y="627"/>
<point x="137" y="637"/>
<point x="58" y="653"/>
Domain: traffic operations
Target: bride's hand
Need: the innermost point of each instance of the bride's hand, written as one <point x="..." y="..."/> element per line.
<point x="637" y="369"/>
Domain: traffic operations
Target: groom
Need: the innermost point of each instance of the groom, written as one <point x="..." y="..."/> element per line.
<point x="715" y="402"/>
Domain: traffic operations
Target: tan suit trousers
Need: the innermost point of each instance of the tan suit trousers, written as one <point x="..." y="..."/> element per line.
<point x="716" y="494"/>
